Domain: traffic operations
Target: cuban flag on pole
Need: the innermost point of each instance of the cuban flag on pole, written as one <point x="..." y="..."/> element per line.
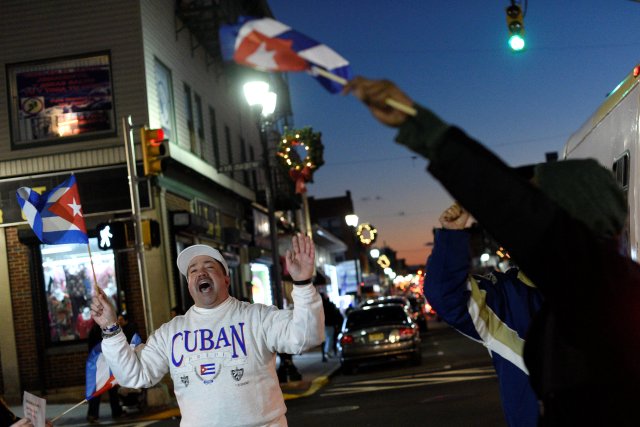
<point x="56" y="215"/>
<point x="269" y="45"/>
<point x="98" y="375"/>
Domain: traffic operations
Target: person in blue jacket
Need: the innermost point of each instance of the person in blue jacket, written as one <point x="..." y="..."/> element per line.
<point x="494" y="309"/>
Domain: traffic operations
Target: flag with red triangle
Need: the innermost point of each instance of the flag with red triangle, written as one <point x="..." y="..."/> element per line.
<point x="55" y="216"/>
<point x="269" y="45"/>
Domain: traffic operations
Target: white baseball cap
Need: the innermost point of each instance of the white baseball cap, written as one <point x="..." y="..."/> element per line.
<point x="185" y="257"/>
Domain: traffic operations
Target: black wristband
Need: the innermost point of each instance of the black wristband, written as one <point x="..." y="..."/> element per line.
<point x="302" y="282"/>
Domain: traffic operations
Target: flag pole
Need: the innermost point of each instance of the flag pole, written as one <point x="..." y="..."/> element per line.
<point x="389" y="101"/>
<point x="96" y="288"/>
<point x="68" y="410"/>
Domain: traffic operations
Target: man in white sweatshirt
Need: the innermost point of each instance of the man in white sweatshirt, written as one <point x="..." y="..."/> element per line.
<point x="221" y="354"/>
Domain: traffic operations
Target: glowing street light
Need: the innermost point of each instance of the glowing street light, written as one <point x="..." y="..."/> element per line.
<point x="351" y="220"/>
<point x="258" y="93"/>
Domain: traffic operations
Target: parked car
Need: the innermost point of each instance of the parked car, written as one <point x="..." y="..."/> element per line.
<point x="395" y="299"/>
<point x="378" y="332"/>
<point x="416" y="305"/>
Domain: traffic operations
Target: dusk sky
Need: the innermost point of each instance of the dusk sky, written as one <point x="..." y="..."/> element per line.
<point x="451" y="56"/>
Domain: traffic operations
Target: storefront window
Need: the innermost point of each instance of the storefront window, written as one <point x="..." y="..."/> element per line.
<point x="260" y="284"/>
<point x="68" y="282"/>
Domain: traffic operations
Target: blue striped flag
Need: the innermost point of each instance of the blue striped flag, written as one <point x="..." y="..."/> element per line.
<point x="269" y="45"/>
<point x="56" y="215"/>
<point x="98" y="375"/>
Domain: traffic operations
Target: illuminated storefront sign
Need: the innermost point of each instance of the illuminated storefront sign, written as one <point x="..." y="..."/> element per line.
<point x="60" y="98"/>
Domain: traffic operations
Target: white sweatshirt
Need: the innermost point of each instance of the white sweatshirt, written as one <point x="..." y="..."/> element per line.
<point x="223" y="360"/>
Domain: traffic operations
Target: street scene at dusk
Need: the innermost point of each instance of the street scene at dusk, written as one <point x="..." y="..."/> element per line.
<point x="364" y="213"/>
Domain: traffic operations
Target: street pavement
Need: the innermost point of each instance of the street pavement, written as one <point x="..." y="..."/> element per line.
<point x="315" y="374"/>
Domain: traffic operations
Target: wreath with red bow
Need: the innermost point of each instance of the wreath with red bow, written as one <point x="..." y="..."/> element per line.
<point x="301" y="167"/>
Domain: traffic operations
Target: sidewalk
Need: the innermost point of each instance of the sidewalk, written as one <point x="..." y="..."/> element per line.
<point x="315" y="374"/>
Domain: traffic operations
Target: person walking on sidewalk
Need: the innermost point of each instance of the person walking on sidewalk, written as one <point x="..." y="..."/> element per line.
<point x="330" y="320"/>
<point x="221" y="354"/>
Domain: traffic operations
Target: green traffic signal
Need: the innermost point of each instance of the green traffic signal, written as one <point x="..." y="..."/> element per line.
<point x="515" y="25"/>
<point x="516" y="42"/>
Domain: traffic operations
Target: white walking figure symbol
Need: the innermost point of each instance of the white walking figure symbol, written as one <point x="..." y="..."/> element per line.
<point x="105" y="236"/>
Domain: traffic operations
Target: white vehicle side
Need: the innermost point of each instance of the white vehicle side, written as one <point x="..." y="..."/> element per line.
<point x="612" y="137"/>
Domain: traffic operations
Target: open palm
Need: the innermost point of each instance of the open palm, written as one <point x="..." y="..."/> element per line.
<point x="300" y="258"/>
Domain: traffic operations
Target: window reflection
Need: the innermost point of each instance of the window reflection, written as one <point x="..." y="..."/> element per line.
<point x="68" y="282"/>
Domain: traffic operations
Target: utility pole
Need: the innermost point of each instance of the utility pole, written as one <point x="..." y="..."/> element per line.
<point x="129" y="145"/>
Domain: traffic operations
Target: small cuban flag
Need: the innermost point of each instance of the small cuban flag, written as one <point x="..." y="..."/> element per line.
<point x="98" y="375"/>
<point x="56" y="215"/>
<point x="269" y="45"/>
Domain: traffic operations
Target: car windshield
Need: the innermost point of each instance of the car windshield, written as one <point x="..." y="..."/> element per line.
<point x="391" y="315"/>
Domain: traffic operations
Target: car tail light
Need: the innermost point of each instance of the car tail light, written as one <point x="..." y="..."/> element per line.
<point x="406" y="332"/>
<point x="346" y="339"/>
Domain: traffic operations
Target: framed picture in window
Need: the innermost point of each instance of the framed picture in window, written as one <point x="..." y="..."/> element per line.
<point x="61" y="100"/>
<point x="164" y="89"/>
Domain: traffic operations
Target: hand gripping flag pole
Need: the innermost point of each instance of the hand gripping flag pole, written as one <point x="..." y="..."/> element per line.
<point x="389" y="101"/>
<point x="268" y="45"/>
<point x="56" y="216"/>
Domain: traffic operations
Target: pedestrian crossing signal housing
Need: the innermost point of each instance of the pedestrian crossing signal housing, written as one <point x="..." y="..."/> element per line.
<point x="150" y="233"/>
<point x="515" y="24"/>
<point x="154" y="149"/>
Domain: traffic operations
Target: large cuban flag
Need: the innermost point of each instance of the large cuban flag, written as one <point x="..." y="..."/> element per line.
<point x="56" y="215"/>
<point x="269" y="45"/>
<point x="98" y="375"/>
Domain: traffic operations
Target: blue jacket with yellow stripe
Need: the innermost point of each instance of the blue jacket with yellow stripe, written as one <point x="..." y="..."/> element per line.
<point x="495" y="310"/>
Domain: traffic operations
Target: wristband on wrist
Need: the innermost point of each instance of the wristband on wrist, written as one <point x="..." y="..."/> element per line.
<point x="113" y="333"/>
<point x="111" y="328"/>
<point x="302" y="282"/>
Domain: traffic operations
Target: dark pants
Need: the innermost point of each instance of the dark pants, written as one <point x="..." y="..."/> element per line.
<point x="94" y="404"/>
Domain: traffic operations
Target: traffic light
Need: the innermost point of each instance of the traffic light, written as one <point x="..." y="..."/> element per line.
<point x="515" y="24"/>
<point x="112" y="235"/>
<point x="150" y="233"/>
<point x="154" y="149"/>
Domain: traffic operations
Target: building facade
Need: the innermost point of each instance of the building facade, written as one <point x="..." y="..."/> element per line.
<point x="75" y="73"/>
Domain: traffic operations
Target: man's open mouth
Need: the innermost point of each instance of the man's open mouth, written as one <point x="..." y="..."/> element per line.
<point x="204" y="286"/>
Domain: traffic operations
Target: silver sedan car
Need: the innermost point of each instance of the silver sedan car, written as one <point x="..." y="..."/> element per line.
<point x="378" y="332"/>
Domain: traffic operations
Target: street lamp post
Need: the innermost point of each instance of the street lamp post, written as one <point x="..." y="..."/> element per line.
<point x="258" y="95"/>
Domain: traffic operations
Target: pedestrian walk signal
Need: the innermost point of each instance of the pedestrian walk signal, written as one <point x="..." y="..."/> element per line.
<point x="112" y="236"/>
<point x="515" y="24"/>
<point x="154" y="149"/>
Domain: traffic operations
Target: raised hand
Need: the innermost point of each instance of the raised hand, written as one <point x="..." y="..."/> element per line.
<point x="300" y="258"/>
<point x="102" y="311"/>
<point x="375" y="95"/>
<point x="454" y="218"/>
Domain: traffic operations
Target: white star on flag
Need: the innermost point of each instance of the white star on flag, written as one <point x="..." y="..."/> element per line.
<point x="76" y="207"/>
<point x="263" y="58"/>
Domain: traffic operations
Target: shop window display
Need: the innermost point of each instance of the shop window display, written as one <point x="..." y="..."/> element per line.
<point x="68" y="282"/>
<point x="260" y="284"/>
